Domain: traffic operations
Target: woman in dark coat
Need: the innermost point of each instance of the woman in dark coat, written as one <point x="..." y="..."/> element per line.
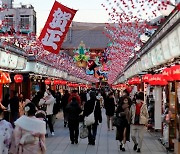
<point x="73" y="109"/>
<point x="123" y="131"/>
<point x="88" y="109"/>
<point x="110" y="109"/>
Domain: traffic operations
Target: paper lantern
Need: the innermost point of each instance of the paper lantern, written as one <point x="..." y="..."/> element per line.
<point x="18" y="78"/>
<point x="47" y="81"/>
<point x="56" y="82"/>
<point x="167" y="74"/>
<point x="5" y="78"/>
<point x="175" y="72"/>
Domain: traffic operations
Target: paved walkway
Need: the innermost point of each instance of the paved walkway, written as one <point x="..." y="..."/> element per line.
<point x="105" y="142"/>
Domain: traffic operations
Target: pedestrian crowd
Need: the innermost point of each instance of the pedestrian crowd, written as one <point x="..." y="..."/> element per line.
<point x="23" y="130"/>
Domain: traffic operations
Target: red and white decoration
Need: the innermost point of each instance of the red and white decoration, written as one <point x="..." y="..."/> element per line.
<point x="56" y="27"/>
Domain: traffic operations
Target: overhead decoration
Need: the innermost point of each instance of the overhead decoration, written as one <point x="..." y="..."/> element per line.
<point x="56" y="27"/>
<point x="131" y="25"/>
<point x="81" y="55"/>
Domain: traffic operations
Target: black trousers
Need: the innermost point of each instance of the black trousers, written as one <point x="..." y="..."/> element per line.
<point x="49" y="121"/>
<point x="73" y="130"/>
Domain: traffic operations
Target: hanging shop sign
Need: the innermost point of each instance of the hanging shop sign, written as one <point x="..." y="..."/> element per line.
<point x="4" y="59"/>
<point x="146" y="78"/>
<point x="13" y="59"/>
<point x="56" y="27"/>
<point x="18" y="78"/>
<point x="157" y="80"/>
<point x="174" y="44"/>
<point x="21" y="63"/>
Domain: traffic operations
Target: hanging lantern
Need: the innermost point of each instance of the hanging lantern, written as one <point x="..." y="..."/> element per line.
<point x="175" y="72"/>
<point x="18" y="78"/>
<point x="167" y="74"/>
<point x="146" y="78"/>
<point x="47" y="81"/>
<point x="56" y="82"/>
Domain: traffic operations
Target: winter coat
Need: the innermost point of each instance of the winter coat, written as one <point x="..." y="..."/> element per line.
<point x="73" y="111"/>
<point x="110" y="106"/>
<point x="88" y="109"/>
<point x="143" y="118"/>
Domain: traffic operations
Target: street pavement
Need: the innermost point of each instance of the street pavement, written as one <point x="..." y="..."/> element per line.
<point x="105" y="142"/>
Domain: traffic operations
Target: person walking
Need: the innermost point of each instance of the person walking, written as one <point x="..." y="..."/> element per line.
<point x="49" y="101"/>
<point x="139" y="119"/>
<point x="110" y="109"/>
<point x="29" y="133"/>
<point x="123" y="131"/>
<point x="73" y="109"/>
<point x="21" y="105"/>
<point x="64" y="102"/>
<point x="88" y="109"/>
<point x="6" y="131"/>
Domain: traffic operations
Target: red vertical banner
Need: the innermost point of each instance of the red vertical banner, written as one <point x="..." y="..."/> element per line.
<point x="56" y="27"/>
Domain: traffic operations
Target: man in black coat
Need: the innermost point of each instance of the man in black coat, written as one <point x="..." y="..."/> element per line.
<point x="73" y="109"/>
<point x="88" y="109"/>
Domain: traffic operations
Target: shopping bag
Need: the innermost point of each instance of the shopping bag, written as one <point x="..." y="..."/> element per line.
<point x="83" y="131"/>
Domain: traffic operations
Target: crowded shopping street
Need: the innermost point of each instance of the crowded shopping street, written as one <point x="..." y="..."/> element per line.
<point x="89" y="76"/>
<point x="106" y="143"/>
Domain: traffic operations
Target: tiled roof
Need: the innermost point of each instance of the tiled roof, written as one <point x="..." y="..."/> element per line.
<point x="90" y="33"/>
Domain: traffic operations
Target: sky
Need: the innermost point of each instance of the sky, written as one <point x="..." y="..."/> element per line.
<point x="88" y="10"/>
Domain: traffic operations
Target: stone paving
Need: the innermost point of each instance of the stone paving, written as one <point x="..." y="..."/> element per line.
<point x="105" y="142"/>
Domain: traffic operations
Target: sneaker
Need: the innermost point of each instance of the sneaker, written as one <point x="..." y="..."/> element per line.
<point x="138" y="150"/>
<point x="72" y="142"/>
<point x="135" y="147"/>
<point x="76" y="141"/>
<point x="52" y="134"/>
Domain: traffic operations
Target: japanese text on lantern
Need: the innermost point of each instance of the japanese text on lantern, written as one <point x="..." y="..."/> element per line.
<point x="53" y="35"/>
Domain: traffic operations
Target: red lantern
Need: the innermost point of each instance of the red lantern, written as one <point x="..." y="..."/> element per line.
<point x="146" y="77"/>
<point x="47" y="81"/>
<point x="176" y="72"/>
<point x="18" y="78"/>
<point x="167" y="74"/>
<point x="56" y="82"/>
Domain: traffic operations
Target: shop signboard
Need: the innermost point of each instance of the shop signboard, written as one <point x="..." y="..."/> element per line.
<point x="44" y="69"/>
<point x="4" y="59"/>
<point x="21" y="63"/>
<point x="149" y="62"/>
<point x="159" y="54"/>
<point x="143" y="61"/>
<point x="37" y="68"/>
<point x="165" y="49"/>
<point x="13" y="59"/>
<point x="154" y="57"/>
<point x="174" y="44"/>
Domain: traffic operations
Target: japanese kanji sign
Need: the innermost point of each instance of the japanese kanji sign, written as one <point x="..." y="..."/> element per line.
<point x="56" y="27"/>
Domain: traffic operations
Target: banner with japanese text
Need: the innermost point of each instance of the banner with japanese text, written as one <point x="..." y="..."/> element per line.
<point x="56" y="27"/>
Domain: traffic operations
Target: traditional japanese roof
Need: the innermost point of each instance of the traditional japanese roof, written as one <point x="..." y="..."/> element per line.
<point x="90" y="33"/>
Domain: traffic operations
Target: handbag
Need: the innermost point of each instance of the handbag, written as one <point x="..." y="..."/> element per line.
<point x="83" y="131"/>
<point x="90" y="119"/>
<point x="116" y="121"/>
